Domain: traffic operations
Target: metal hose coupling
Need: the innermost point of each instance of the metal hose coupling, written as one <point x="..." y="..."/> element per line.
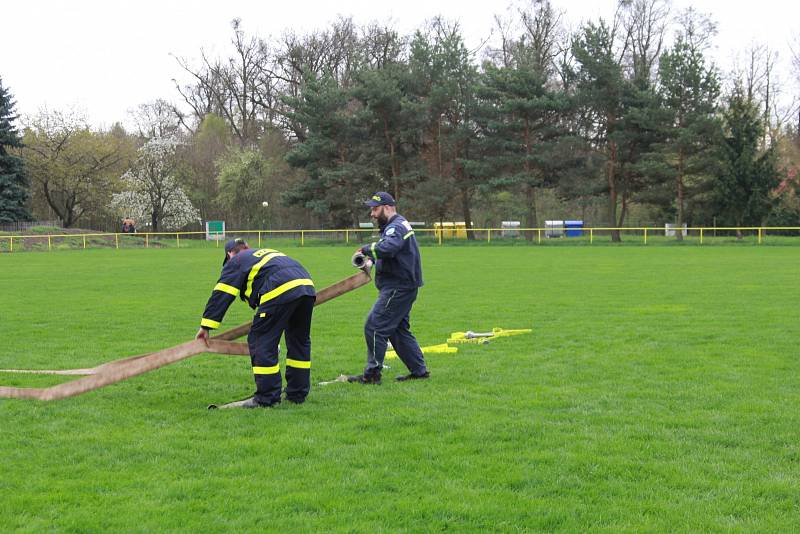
<point x="360" y="261"/>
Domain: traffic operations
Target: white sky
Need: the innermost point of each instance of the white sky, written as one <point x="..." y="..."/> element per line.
<point x="105" y="57"/>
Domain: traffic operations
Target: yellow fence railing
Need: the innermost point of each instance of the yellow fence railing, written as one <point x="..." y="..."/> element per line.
<point x="438" y="235"/>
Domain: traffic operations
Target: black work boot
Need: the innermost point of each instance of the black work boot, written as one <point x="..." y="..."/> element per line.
<point x="365" y="378"/>
<point x="412" y="376"/>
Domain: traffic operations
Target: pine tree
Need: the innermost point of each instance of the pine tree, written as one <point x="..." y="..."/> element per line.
<point x="332" y="154"/>
<point x="13" y="182"/>
<point x="687" y="158"/>
<point x="749" y="169"/>
<point x="520" y="131"/>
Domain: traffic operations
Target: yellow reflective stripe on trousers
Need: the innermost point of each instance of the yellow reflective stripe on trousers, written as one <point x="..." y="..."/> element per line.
<point x="283" y="288"/>
<point x="254" y="271"/>
<point x="225" y="288"/>
<point x="409" y="234"/>
<point x="266" y="370"/>
<point x="299" y="364"/>
<point x="208" y="323"/>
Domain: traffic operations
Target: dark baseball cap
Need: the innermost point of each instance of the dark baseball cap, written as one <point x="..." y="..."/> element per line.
<point x="232" y="244"/>
<point x="381" y="198"/>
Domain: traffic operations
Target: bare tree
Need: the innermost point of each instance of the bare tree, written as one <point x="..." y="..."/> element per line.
<point x="532" y="36"/>
<point x="644" y="23"/>
<point x="382" y="46"/>
<point x="696" y="29"/>
<point x="539" y="44"/>
<point x="757" y="78"/>
<point x="199" y="96"/>
<point x="158" y="118"/>
<point x="239" y="88"/>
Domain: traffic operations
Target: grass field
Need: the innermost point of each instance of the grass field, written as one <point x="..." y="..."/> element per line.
<point x="659" y="391"/>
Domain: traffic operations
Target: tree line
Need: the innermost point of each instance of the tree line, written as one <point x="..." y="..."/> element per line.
<point x="617" y="119"/>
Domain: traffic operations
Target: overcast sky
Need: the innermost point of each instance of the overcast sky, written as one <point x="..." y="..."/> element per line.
<point x="104" y="58"/>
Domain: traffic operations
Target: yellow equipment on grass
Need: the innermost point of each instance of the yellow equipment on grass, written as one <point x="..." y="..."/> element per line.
<point x="484" y="337"/>
<point x="431" y="349"/>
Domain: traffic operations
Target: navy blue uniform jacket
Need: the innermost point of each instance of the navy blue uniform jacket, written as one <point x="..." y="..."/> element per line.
<point x="262" y="277"/>
<point x="396" y="256"/>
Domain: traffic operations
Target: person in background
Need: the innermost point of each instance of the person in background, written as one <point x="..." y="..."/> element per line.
<point x="128" y="225"/>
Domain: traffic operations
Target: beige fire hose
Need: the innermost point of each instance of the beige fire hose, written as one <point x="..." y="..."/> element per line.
<point x="118" y="370"/>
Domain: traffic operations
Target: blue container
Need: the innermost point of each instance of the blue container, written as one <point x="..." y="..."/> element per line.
<point x="574" y="228"/>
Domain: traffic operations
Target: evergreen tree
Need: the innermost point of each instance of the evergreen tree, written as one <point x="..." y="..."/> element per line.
<point x="601" y="90"/>
<point x="520" y="128"/>
<point x="387" y="115"/>
<point x="13" y="181"/>
<point x="687" y="159"/>
<point x="332" y="154"/>
<point x="443" y="93"/>
<point x="743" y="188"/>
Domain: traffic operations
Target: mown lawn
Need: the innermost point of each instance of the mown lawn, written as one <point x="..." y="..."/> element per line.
<point x="659" y="391"/>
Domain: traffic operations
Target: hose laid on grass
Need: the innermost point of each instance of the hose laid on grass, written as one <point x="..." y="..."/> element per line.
<point x="116" y="371"/>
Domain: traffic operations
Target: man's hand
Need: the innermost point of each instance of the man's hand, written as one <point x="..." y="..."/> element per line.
<point x="202" y="334"/>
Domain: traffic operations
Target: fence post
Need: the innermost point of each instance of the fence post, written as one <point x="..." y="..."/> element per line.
<point x="49" y="245"/>
<point x="116" y="240"/>
<point x="10" y="243"/>
<point x="441" y="231"/>
<point x="146" y="240"/>
<point x="488" y="235"/>
<point x="591" y="235"/>
<point x="178" y="240"/>
<point x="759" y="235"/>
<point x="84" y="241"/>
<point x="302" y="238"/>
<point x="538" y="236"/>
<point x="347" y="236"/>
<point x="701" y="236"/>
<point x="645" y="236"/>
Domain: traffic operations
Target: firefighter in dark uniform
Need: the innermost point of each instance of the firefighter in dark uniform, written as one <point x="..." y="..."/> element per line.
<point x="398" y="277"/>
<point x="282" y="293"/>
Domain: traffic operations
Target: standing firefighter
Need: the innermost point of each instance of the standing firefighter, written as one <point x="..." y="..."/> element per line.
<point x="398" y="277"/>
<point x="282" y="293"/>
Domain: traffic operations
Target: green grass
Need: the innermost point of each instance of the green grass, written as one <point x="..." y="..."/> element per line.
<point x="658" y="392"/>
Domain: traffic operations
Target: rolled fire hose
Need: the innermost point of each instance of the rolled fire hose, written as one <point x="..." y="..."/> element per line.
<point x="118" y="370"/>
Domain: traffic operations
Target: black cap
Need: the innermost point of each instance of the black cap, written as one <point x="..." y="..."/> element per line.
<point x="232" y="244"/>
<point x="381" y="198"/>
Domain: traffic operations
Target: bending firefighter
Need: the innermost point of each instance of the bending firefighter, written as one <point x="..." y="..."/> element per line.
<point x="398" y="277"/>
<point x="282" y="293"/>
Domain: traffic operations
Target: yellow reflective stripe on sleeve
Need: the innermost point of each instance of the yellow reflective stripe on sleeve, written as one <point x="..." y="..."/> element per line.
<point x="299" y="364"/>
<point x="409" y="234"/>
<point x="372" y="249"/>
<point x="266" y="370"/>
<point x="254" y="271"/>
<point x="208" y="323"/>
<point x="225" y="288"/>
<point x="283" y="288"/>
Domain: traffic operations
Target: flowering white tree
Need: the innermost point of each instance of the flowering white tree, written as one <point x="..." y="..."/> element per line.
<point x="151" y="191"/>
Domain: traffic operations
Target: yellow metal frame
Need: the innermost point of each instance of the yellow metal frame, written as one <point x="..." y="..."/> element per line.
<point x="439" y="236"/>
